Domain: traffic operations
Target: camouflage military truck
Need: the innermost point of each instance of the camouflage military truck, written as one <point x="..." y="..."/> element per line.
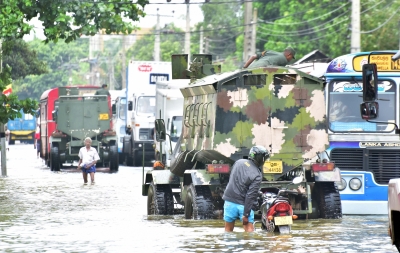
<point x="225" y="114"/>
<point x="79" y="114"/>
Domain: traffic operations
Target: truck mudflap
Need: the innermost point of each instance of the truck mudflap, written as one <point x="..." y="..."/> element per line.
<point x="328" y="176"/>
<point x="126" y="144"/>
<point x="159" y="177"/>
<point x="162" y="177"/>
<point x="200" y="177"/>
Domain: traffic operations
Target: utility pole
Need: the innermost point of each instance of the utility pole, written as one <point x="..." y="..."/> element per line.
<point x="111" y="72"/>
<point x="156" y="53"/>
<point x="187" y="33"/>
<point x="123" y="71"/>
<point x="201" y="50"/>
<point x="355" y="26"/>
<point x="247" y="44"/>
<point x="254" y="32"/>
<point x="157" y="39"/>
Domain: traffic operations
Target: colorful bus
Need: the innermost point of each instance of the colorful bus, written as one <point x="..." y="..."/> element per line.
<point x="367" y="153"/>
<point x="22" y="129"/>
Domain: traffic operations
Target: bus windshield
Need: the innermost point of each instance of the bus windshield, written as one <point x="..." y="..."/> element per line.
<point x="345" y="97"/>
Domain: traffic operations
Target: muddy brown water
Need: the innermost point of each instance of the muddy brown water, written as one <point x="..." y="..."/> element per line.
<point x="44" y="211"/>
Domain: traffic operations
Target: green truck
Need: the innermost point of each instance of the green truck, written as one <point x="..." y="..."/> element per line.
<point x="78" y="114"/>
<point x="224" y="115"/>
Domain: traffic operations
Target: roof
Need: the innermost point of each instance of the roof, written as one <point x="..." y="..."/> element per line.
<point x="314" y="56"/>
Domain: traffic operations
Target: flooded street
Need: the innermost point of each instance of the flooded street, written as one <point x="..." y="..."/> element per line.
<point x="44" y="211"/>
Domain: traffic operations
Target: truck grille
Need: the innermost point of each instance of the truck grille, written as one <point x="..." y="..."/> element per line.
<point x="383" y="163"/>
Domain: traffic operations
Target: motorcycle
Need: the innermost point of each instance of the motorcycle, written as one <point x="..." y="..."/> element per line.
<point x="276" y="210"/>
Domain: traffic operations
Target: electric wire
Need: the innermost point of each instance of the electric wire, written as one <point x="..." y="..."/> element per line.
<point x="304" y="30"/>
<point x="304" y="41"/>
<point x="303" y="22"/>
<point x="296" y="33"/>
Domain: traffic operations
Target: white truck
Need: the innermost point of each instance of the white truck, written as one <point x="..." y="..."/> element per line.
<point x="120" y="114"/>
<point x="141" y="92"/>
<point x="169" y="107"/>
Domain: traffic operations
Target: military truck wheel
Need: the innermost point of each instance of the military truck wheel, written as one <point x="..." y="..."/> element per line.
<point x="114" y="162"/>
<point x="54" y="159"/>
<point x="198" y="203"/>
<point x="328" y="200"/>
<point x="160" y="200"/>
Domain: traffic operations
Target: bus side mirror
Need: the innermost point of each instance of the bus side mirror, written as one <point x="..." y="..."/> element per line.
<point x="114" y="109"/>
<point x="160" y="130"/>
<point x="369" y="110"/>
<point x="130" y="106"/>
<point x="370" y="82"/>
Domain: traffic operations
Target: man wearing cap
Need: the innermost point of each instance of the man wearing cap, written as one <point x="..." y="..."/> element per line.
<point x="103" y="91"/>
<point x="268" y="58"/>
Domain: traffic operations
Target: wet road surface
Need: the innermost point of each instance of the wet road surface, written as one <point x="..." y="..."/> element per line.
<point x="44" y="211"/>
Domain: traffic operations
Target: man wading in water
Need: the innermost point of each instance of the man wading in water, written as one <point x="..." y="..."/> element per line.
<point x="88" y="157"/>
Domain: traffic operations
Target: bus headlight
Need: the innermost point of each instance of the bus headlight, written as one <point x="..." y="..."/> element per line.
<point x="355" y="184"/>
<point x="341" y="185"/>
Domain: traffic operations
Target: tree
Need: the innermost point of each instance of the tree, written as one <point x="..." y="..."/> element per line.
<point x="62" y="61"/>
<point x="171" y="42"/>
<point x="62" y="20"/>
<point x="22" y="58"/>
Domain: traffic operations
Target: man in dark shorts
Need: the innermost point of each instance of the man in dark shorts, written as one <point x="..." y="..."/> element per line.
<point x="242" y="189"/>
<point x="88" y="158"/>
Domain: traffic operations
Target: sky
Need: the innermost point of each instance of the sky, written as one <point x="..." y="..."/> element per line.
<point x="165" y="11"/>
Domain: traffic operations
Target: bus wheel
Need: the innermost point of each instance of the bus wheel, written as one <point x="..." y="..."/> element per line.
<point x="328" y="200"/>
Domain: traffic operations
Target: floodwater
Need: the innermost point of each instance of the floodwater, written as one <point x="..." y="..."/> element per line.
<point x="44" y="211"/>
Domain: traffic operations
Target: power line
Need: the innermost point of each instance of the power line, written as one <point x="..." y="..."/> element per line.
<point x="303" y="22"/>
<point x="384" y="23"/>
<point x="303" y="41"/>
<point x="312" y="31"/>
<point x="304" y="30"/>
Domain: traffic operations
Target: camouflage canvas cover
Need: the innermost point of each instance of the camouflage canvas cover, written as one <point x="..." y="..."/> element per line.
<point x="226" y="114"/>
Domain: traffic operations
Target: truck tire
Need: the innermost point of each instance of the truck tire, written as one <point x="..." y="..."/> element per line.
<point x="137" y="159"/>
<point x="160" y="200"/>
<point x="328" y="200"/>
<point x="114" y="158"/>
<point x="198" y="203"/>
<point x="54" y="159"/>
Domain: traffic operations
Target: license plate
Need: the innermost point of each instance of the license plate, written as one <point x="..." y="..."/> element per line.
<point x="273" y="167"/>
<point x="283" y="220"/>
<point x="103" y="116"/>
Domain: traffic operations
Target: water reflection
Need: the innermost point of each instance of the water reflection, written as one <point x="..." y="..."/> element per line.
<point x="44" y="211"/>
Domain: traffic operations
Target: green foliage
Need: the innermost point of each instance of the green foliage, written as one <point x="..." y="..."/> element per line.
<point x="22" y="59"/>
<point x="64" y="20"/>
<point x="63" y="62"/>
<point x="171" y="42"/>
<point x="222" y="24"/>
